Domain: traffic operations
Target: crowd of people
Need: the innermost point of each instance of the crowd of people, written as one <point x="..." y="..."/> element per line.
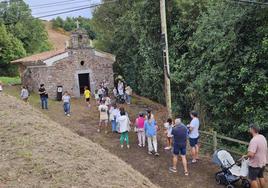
<point x="118" y="121"/>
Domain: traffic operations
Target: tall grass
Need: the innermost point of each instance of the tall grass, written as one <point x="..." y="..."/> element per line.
<point x="10" y="80"/>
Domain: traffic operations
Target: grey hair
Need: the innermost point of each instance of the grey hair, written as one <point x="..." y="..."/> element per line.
<point x="177" y="121"/>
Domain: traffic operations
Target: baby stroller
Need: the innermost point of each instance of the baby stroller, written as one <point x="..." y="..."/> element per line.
<point x="230" y="172"/>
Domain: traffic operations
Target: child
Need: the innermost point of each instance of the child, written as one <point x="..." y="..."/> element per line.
<point x="100" y="93"/>
<point x="151" y="132"/>
<point x="103" y="109"/>
<point x="168" y="125"/>
<point x="124" y="128"/>
<point x="107" y="101"/>
<point x="114" y="114"/>
<point x="66" y="98"/>
<point x="24" y="94"/>
<point x="96" y="95"/>
<point x="87" y="95"/>
<point x="140" y="130"/>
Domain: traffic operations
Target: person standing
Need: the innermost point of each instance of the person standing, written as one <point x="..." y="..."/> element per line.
<point x="87" y="95"/>
<point x="140" y="129"/>
<point x="168" y="126"/>
<point x="1" y="87"/>
<point x="151" y="133"/>
<point x="43" y="96"/>
<point x="114" y="113"/>
<point x="103" y="109"/>
<point x="258" y="157"/>
<point x="128" y="94"/>
<point x="24" y="94"/>
<point x="194" y="136"/>
<point x="101" y="93"/>
<point x="66" y="98"/>
<point x="124" y="128"/>
<point x="179" y="133"/>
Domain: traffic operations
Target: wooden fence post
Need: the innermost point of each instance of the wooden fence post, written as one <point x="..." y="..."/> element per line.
<point x="215" y="142"/>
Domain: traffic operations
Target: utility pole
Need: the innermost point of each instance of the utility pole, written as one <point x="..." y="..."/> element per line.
<point x="164" y="41"/>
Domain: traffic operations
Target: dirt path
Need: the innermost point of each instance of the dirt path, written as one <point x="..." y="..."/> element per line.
<point x="84" y="122"/>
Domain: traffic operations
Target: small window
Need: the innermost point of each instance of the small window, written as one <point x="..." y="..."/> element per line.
<point x="82" y="63"/>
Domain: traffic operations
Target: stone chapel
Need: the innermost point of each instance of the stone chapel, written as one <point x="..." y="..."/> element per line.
<point x="73" y="68"/>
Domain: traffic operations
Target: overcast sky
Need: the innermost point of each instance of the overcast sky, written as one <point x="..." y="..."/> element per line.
<point x="47" y="7"/>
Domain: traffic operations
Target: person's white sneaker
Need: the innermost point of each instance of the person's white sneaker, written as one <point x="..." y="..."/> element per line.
<point x="98" y="130"/>
<point x="128" y="146"/>
<point x="140" y="145"/>
<point x="122" y="146"/>
<point x="167" y="148"/>
<point x="68" y="115"/>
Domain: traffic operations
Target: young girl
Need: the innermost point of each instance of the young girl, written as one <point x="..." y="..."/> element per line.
<point x="151" y="132"/>
<point x="66" y="98"/>
<point x="124" y="128"/>
<point x="87" y="96"/>
<point x="140" y="129"/>
<point x="168" y="126"/>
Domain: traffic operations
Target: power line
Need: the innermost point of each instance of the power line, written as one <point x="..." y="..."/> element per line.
<point x="61" y="4"/>
<point x="75" y="10"/>
<point x="37" y="5"/>
<point x="70" y="8"/>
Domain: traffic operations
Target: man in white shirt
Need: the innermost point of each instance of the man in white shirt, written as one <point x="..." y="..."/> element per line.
<point x="194" y="136"/>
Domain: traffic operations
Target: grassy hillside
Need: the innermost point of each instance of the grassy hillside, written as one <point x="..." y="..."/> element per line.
<point x="37" y="152"/>
<point x="56" y="38"/>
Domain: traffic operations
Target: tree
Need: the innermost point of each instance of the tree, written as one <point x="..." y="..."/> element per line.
<point x="10" y="48"/>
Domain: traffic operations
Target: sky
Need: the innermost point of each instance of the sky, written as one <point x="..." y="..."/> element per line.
<point x="47" y="7"/>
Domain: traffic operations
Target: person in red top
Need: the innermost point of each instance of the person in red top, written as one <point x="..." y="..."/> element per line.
<point x="140" y="129"/>
<point x="257" y="154"/>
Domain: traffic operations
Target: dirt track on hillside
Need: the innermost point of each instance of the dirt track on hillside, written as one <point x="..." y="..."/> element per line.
<point x="84" y="122"/>
<point x="37" y="152"/>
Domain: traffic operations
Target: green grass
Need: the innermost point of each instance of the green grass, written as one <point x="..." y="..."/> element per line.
<point x="10" y="80"/>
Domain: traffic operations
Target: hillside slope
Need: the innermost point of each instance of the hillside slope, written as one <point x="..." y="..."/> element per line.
<point x="37" y="152"/>
<point x="56" y="38"/>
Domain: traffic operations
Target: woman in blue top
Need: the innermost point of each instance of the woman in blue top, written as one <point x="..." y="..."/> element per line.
<point x="150" y="127"/>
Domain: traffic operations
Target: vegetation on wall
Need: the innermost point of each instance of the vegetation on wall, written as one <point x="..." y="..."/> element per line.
<point x="218" y="57"/>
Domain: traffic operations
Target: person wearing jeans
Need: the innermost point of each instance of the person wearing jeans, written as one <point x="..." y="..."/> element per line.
<point x="140" y="130"/>
<point x="114" y="114"/>
<point x="151" y="132"/>
<point x="66" y="98"/>
<point x="43" y="96"/>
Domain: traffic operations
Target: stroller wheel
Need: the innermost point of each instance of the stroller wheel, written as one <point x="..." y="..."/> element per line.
<point x="230" y="186"/>
<point x="245" y="183"/>
<point x="218" y="179"/>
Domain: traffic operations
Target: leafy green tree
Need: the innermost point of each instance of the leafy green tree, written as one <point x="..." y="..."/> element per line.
<point x="30" y="31"/>
<point x="10" y="48"/>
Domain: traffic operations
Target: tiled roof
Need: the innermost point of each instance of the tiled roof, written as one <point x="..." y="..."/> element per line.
<point x="39" y="57"/>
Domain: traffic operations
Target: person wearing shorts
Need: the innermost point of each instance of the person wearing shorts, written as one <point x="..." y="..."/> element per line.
<point x="257" y="154"/>
<point x="103" y="109"/>
<point x="87" y="95"/>
<point x="179" y="133"/>
<point x="194" y="136"/>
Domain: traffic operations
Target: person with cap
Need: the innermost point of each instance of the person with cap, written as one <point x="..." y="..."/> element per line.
<point x="179" y="133"/>
<point x="257" y="154"/>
